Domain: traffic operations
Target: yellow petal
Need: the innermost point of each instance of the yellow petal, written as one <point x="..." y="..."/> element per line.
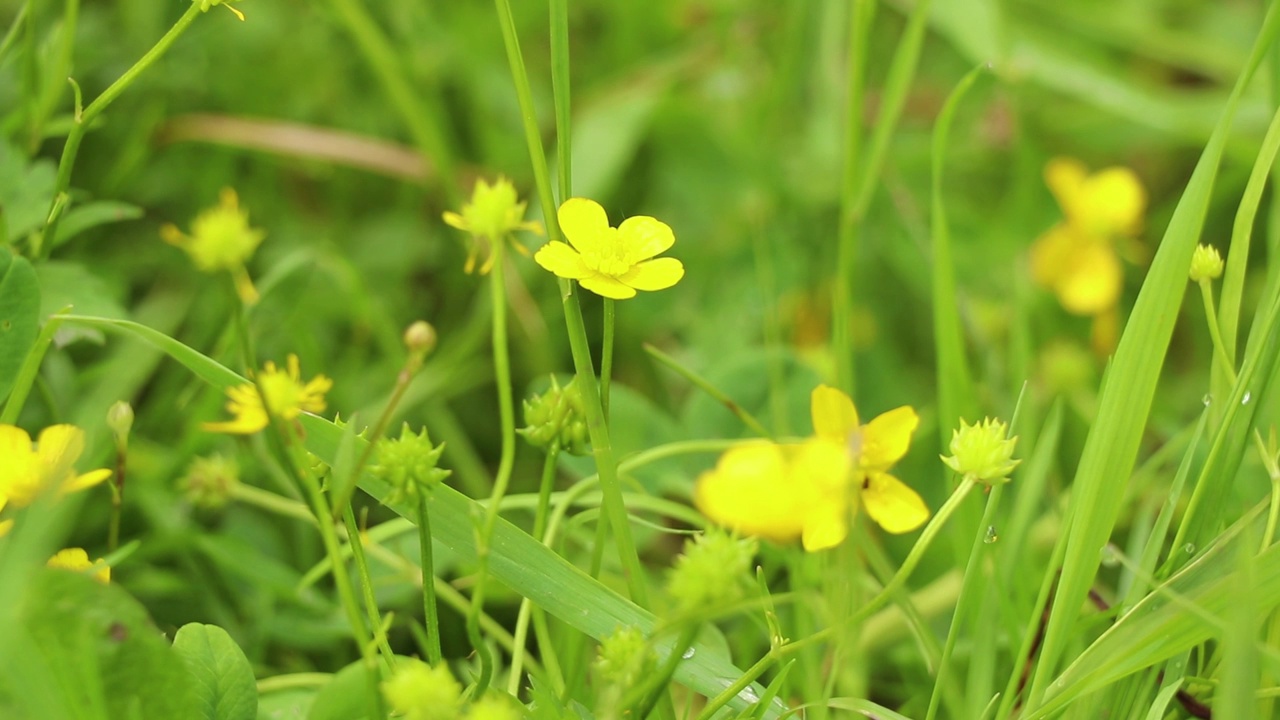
<point x="747" y="492"/>
<point x="657" y="274"/>
<point x="643" y="237"/>
<point x="454" y="220"/>
<point x="583" y="221"/>
<point x="1065" y="178"/>
<point x="58" y="448"/>
<point x="87" y="480"/>
<point x="833" y="413"/>
<point x="1113" y="202"/>
<point x="825" y="528"/>
<point x="886" y="439"/>
<point x="818" y="471"/>
<point x="894" y="506"/>
<point x="562" y="260"/>
<point x="1051" y="253"/>
<point x="1090" y="282"/>
<point x="605" y="286"/>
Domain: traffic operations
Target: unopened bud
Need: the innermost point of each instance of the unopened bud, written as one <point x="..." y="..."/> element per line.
<point x="210" y="481"/>
<point x="408" y="464"/>
<point x="120" y="420"/>
<point x="557" y="416"/>
<point x="982" y="452"/>
<point x="421" y="692"/>
<point x="713" y="570"/>
<point x="420" y="338"/>
<point x="1206" y="264"/>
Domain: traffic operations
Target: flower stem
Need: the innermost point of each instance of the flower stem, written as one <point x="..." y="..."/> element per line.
<point x="606" y="355"/>
<point x="1215" y="332"/>
<point x="30" y="369"/>
<point x="506" y="416"/>
<point x="355" y="539"/>
<point x="84" y="119"/>
<point x="527" y="610"/>
<point x="705" y="386"/>
<point x="429" y="613"/>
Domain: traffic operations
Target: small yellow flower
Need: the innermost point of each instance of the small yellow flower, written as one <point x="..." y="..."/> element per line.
<point x="77" y="559"/>
<point x="807" y="490"/>
<point x="26" y="470"/>
<point x="611" y="262"/>
<point x="492" y="215"/>
<point x="1206" y="264"/>
<point x="287" y="397"/>
<point x="221" y="239"/>
<point x="1077" y="258"/>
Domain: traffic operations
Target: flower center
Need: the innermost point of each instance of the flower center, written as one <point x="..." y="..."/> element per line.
<point x="610" y="257"/>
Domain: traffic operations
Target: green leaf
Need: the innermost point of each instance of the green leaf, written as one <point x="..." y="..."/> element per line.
<point x="64" y="285"/>
<point x="89" y="650"/>
<point x="224" y="687"/>
<point x="19" y="315"/>
<point x="91" y="215"/>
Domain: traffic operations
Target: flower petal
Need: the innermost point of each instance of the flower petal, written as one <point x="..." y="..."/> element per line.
<point x="1066" y="178"/>
<point x="825" y="528"/>
<point x="833" y="413"/>
<point x="657" y="274"/>
<point x="454" y="220"/>
<point x="1052" y="252"/>
<point x="583" y="222"/>
<point x="58" y="448"/>
<point x="643" y="237"/>
<point x="886" y="439"/>
<point x="87" y="480"/>
<point x="894" y="506"/>
<point x="747" y="492"/>
<point x="561" y="260"/>
<point x="605" y="286"/>
<point x="1090" y="282"/>
<point x="1113" y="201"/>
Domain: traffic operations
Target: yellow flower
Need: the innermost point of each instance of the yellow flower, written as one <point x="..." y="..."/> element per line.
<point x="1077" y="258"/>
<point x="611" y="262"/>
<point x="807" y="490"/>
<point x="287" y="397"/>
<point x="28" y="470"/>
<point x="493" y="214"/>
<point x="77" y="559"/>
<point x="221" y="239"/>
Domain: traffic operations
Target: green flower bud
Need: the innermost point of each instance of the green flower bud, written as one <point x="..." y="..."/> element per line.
<point x="1206" y="264"/>
<point x="420" y="338"/>
<point x="408" y="464"/>
<point x="210" y="481"/>
<point x="557" y="416"/>
<point x="624" y="658"/>
<point x="713" y="570"/>
<point x="418" y="691"/>
<point x="982" y="452"/>
<point x="493" y="707"/>
<point x="120" y="421"/>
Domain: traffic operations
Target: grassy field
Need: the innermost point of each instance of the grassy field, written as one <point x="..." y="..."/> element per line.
<point x="681" y="359"/>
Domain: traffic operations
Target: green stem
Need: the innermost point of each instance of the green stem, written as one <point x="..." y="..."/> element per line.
<point x="526" y="607"/>
<point x="900" y="578"/>
<point x="30" y="369"/>
<point x="560" y="94"/>
<point x="647" y="695"/>
<point x="85" y="119"/>
<point x="1215" y="332"/>
<point x="271" y="502"/>
<point x="430" y="614"/>
<point x="606" y="355"/>
<point x="705" y="386"/>
<point x="347" y="488"/>
<point x="506" y="417"/>
<point x="355" y="539"/>
<point x="117" y="499"/>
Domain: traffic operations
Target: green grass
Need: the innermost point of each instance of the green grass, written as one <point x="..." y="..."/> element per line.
<point x="854" y="190"/>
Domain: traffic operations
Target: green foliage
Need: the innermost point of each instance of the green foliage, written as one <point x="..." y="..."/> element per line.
<point x="223" y="680"/>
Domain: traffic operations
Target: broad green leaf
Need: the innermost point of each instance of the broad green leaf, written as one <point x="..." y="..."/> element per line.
<point x="19" y="315"/>
<point x="24" y="192"/>
<point x="345" y="697"/>
<point x="518" y="561"/>
<point x="71" y="285"/>
<point x="224" y="687"/>
<point x="93" y="647"/>
<point x="91" y="215"/>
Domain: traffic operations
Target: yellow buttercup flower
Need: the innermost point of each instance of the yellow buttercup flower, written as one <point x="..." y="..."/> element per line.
<point x="1077" y="259"/>
<point x="493" y="213"/>
<point x="807" y="490"/>
<point x="221" y="239"/>
<point x="77" y="559"/>
<point x="287" y="397"/>
<point x="608" y="261"/>
<point x="29" y="469"/>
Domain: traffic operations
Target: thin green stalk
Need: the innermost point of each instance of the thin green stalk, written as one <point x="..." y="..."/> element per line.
<point x="842" y="305"/>
<point x="560" y="94"/>
<point x="355" y="539"/>
<point x="84" y="119"/>
<point x="927" y="536"/>
<point x="19" y="22"/>
<point x="271" y="502"/>
<point x="507" y="418"/>
<point x="422" y="124"/>
<point x="597" y="427"/>
<point x="431" y="617"/>
<point x="973" y="578"/>
<point x="606" y="355"/>
<point x="1215" y="333"/>
<point x="28" y="371"/>
<point x="705" y="386"/>
<point x="117" y="498"/>
<point x="646" y="696"/>
<point x="527" y="610"/>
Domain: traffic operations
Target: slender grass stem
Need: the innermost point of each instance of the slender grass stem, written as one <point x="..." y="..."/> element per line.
<point x="606" y="354"/>
<point x="84" y="119"/>
<point x="27" y="373"/>
<point x="430" y="615"/>
<point x="527" y="609"/>
<point x="355" y="539"/>
<point x="705" y="386"/>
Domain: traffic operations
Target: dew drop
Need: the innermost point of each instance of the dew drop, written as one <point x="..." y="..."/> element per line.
<point x="1245" y="400"/>
<point x="1189" y="549"/>
<point x="1110" y="555"/>
<point x="991" y="535"/>
<point x="688" y="653"/>
<point x="1207" y="399"/>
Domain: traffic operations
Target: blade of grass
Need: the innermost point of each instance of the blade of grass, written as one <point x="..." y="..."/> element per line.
<point x="1125" y="401"/>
